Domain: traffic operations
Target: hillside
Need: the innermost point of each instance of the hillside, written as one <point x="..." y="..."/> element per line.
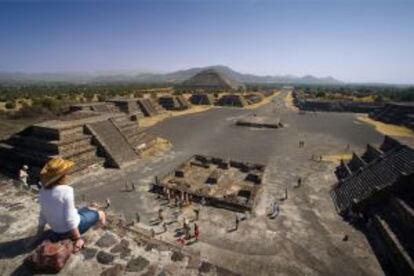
<point x="173" y="77"/>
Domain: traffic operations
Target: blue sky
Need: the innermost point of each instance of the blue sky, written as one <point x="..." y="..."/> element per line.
<point x="352" y="40"/>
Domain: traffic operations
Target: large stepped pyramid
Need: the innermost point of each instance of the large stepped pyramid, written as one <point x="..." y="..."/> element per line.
<point x="376" y="192"/>
<point x="37" y="144"/>
<point x="210" y="80"/>
<point x="103" y="139"/>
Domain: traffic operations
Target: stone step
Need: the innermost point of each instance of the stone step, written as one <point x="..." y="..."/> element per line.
<point x="400" y="258"/>
<point x="113" y="142"/>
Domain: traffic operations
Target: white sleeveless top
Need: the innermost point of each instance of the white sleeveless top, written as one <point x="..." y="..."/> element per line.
<point x="57" y="209"/>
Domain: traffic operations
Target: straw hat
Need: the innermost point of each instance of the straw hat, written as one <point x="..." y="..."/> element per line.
<point x="55" y="169"/>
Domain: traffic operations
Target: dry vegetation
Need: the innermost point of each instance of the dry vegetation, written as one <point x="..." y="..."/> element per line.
<point x="387" y="129"/>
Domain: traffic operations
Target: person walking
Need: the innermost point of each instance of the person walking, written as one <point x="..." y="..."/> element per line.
<point x="197" y="213"/>
<point x="196" y="231"/>
<point x="237" y="223"/>
<point x="23" y="176"/>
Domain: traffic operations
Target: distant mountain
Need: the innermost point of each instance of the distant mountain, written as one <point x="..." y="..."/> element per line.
<point x="173" y="77"/>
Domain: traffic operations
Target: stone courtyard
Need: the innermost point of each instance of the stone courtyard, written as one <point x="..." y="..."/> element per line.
<point x="307" y="235"/>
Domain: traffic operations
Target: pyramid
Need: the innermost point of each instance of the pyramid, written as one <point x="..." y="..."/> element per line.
<point x="211" y="80"/>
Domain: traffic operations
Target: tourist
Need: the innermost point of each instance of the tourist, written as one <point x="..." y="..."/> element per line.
<point x="23" y="175"/>
<point x="160" y="215"/>
<point x="299" y="181"/>
<point x="237" y="223"/>
<point x="57" y="205"/>
<point x="137" y="217"/>
<point x="108" y="203"/>
<point x="197" y="213"/>
<point x="164" y="227"/>
<point x="181" y="241"/>
<point x="196" y="231"/>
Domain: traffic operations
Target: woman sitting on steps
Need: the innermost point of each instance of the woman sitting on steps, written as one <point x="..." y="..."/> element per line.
<point x="57" y="205"/>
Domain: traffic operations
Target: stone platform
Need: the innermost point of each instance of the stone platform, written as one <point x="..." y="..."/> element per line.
<point x="110" y="139"/>
<point x="259" y="121"/>
<point x="224" y="183"/>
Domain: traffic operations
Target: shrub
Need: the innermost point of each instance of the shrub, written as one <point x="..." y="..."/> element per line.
<point x="10" y="105"/>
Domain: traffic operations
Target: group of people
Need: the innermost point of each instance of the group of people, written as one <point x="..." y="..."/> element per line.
<point x="186" y="232"/>
<point x="181" y="199"/>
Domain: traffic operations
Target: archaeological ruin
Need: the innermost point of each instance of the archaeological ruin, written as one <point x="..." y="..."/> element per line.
<point x="171" y="102"/>
<point x="253" y="98"/>
<point x="260" y="121"/>
<point x="202" y="99"/>
<point x="91" y="140"/>
<point x="137" y="107"/>
<point x="222" y="183"/>
<point x="314" y="104"/>
<point x="210" y="80"/>
<point x="233" y="100"/>
<point x="396" y="113"/>
<point x="375" y="192"/>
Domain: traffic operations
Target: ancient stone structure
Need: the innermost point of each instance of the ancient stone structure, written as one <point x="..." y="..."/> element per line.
<point x="110" y="139"/>
<point x="375" y="191"/>
<point x="396" y="113"/>
<point x="333" y="105"/>
<point x="174" y="102"/>
<point x="128" y="106"/>
<point x="235" y="100"/>
<point x="137" y="107"/>
<point x="210" y="80"/>
<point x="253" y="98"/>
<point x="95" y="107"/>
<point x="202" y="99"/>
<point x="150" y="107"/>
<point x="223" y="183"/>
<point x="260" y="121"/>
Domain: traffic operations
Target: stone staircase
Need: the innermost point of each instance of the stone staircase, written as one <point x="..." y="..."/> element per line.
<point x="375" y="191"/>
<point x="135" y="135"/>
<point x="202" y="99"/>
<point x="150" y="108"/>
<point x="391" y="229"/>
<point x="235" y="100"/>
<point x="364" y="177"/>
<point x="115" y="145"/>
<point x="396" y="113"/>
<point x="174" y="102"/>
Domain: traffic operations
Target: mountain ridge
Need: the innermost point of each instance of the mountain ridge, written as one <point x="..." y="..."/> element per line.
<point x="174" y="77"/>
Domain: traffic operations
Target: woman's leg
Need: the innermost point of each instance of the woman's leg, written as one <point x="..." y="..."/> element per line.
<point x="89" y="218"/>
<point x="102" y="217"/>
<point x="102" y="214"/>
